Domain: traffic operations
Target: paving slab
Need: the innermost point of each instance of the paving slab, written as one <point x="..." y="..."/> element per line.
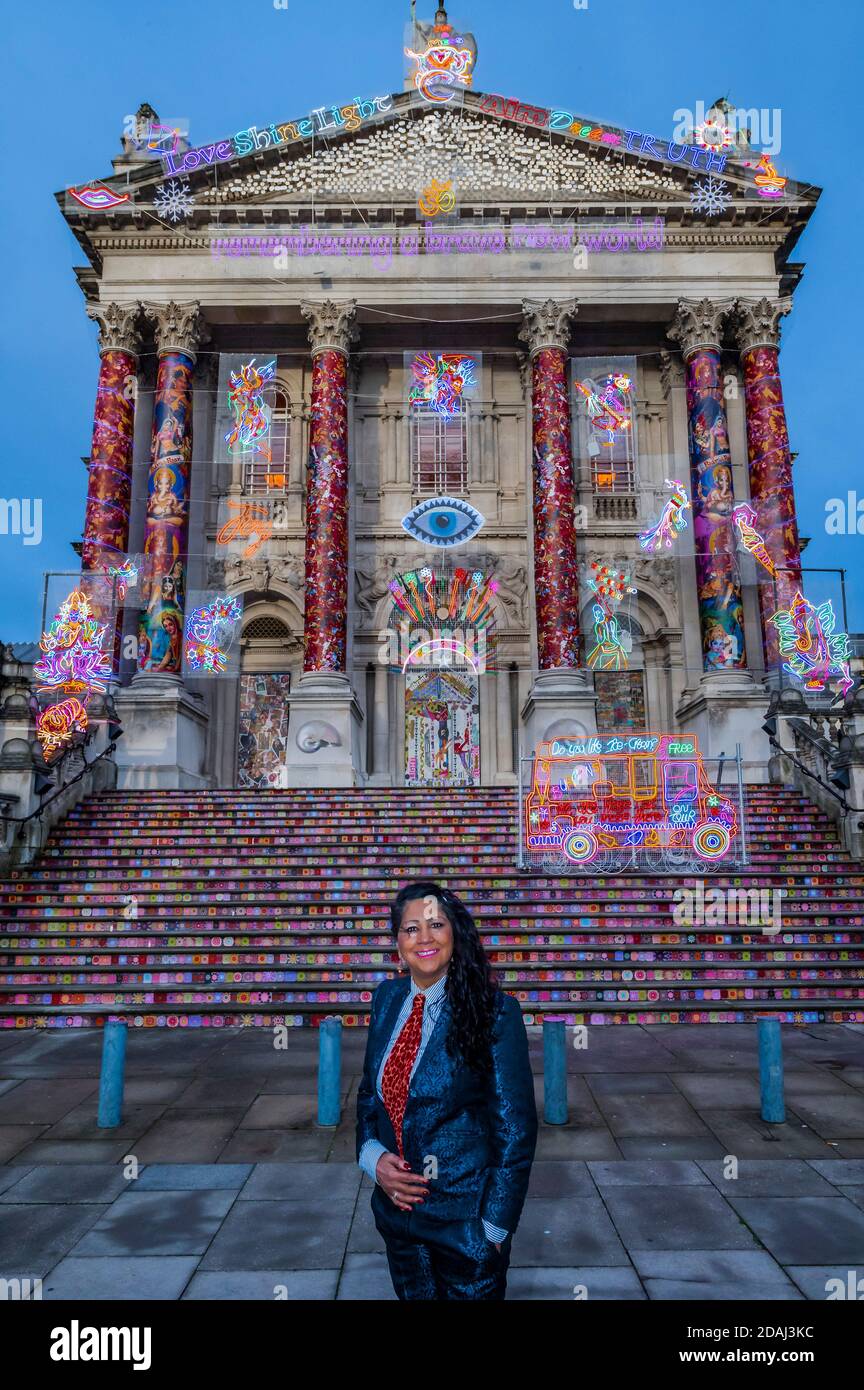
<point x="303" y="1182"/>
<point x="282" y="1112"/>
<point x="560" y="1178"/>
<point x="43" y="1102"/>
<point x="745" y="1135"/>
<point x="264" y="1285"/>
<point x="11" y="1175"/>
<point x="281" y="1235"/>
<point x="277" y="1145"/>
<point x="198" y="1137"/>
<point x="854" y="1194"/>
<point x="73" y="1151"/>
<point x="81" y="1123"/>
<point x="157" y="1223"/>
<point x="366" y="1279"/>
<point x="623" y="1083"/>
<point x="215" y="1094"/>
<point x="147" y="1279"/>
<point x="201" y="1177"/>
<point x="713" y="1276"/>
<point x="144" y="1090"/>
<point x="838" y="1170"/>
<point x="566" y="1142"/>
<point x="709" y="1091"/>
<point x="767" y="1177"/>
<point x="831" y="1116"/>
<point x="363" y="1238"/>
<point x="553" y="1233"/>
<point x="34" y="1237"/>
<point x="814" y="1282"/>
<point x="14" y="1138"/>
<point x="68" y="1182"/>
<point x="678" y="1218"/>
<point x="648" y="1173"/>
<point x="805" y="1230"/>
<point x="655" y="1117"/>
<point x="8" y="1085"/>
<point x="681" y="1147"/>
<point x="588" y="1283"/>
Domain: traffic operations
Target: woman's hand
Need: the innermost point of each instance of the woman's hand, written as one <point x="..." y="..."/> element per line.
<point x="403" y="1187"/>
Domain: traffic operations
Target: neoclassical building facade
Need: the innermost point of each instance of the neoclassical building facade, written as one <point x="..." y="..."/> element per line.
<point x="570" y="253"/>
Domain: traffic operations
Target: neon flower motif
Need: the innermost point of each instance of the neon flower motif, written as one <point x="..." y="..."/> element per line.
<point x="672" y="520"/>
<point x="743" y="516"/>
<point x="251" y="415"/>
<point x="610" y="585"/>
<point x="57" y="726"/>
<point x="441" y="381"/>
<point x="206" y="631"/>
<point x="443" y="66"/>
<point x="817" y="653"/>
<point x="125" y="574"/>
<point x="713" y="135"/>
<point x="437" y="198"/>
<point x="606" y="404"/>
<point x="770" y="183"/>
<point x="97" y="197"/>
<point x="73" y="657"/>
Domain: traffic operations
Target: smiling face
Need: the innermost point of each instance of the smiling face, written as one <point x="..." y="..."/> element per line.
<point x="425" y="941"/>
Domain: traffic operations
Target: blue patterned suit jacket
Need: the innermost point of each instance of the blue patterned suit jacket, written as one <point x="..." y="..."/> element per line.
<point x="481" y="1130"/>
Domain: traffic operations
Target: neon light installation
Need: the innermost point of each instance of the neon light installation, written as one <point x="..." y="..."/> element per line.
<point x="454" y="613"/>
<point x="126" y="575"/>
<point x="437" y="198"/>
<point x="817" y="653"/>
<point x="596" y="795"/>
<point x="96" y="197"/>
<point x="713" y="135"/>
<point x="610" y="586"/>
<point x="672" y="519"/>
<point x="607" y="405"/>
<point x="770" y="183"/>
<point x="209" y="632"/>
<point x="73" y="658"/>
<point x="743" y="516"/>
<point x="441" y="380"/>
<point x="251" y="413"/>
<point x="443" y="65"/>
<point x="443" y="521"/>
<point x="250" y="521"/>
<point x="57" y="725"/>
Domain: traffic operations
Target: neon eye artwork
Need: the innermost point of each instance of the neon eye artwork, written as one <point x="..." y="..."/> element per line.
<point x="437" y="198"/>
<point x="209" y="633"/>
<point x="73" y="659"/>
<point x="607" y="404"/>
<point x="441" y="380"/>
<point x="817" y="654"/>
<point x="125" y="574"/>
<point x="443" y="65"/>
<point x="57" y="726"/>
<point x="97" y="197"/>
<point x="251" y="414"/>
<point x="743" y="516"/>
<point x="443" y="521"/>
<point x="672" y="520"/>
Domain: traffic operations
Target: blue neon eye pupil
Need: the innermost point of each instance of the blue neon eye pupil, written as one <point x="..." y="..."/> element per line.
<point x="442" y="523"/>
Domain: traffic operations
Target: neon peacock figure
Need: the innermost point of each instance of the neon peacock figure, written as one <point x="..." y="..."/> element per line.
<point x="817" y="653"/>
<point x="251" y="414"/>
<point x="672" y="519"/>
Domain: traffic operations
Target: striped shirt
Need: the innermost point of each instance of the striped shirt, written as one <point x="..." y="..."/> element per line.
<point x="435" y="995"/>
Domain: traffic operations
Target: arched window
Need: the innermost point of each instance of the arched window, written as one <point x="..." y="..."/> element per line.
<point x="439" y="451"/>
<point x="261" y="475"/>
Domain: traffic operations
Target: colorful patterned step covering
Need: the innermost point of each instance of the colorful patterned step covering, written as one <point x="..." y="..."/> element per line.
<point x="298" y="929"/>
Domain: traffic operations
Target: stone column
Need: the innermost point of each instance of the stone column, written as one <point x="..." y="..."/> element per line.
<point x="178" y="328"/>
<point x="109" y="487"/>
<point x="560" y="690"/>
<point x="503" y="726"/>
<point x="772" y="494"/>
<point x="324" y="748"/>
<point x="381" y="734"/>
<point x="698" y="329"/>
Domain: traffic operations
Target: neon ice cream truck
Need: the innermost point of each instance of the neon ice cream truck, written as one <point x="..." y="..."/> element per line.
<point x="607" y="793"/>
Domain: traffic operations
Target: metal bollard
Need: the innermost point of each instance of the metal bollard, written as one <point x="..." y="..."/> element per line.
<point x="771" y="1071"/>
<point x="329" y="1071"/>
<point x="111" y="1076"/>
<point x="554" y="1073"/>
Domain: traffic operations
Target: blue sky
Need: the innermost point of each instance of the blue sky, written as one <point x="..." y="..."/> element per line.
<point x="78" y="68"/>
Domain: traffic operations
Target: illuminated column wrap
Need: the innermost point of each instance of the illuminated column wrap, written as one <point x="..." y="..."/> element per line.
<point x="697" y="328"/>
<point x="772" y="491"/>
<point x="178" y="329"/>
<point x="325" y="622"/>
<point x="556" y="569"/>
<point x="109" y="485"/>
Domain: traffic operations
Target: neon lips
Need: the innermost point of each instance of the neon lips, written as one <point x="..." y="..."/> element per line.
<point x="97" y="198"/>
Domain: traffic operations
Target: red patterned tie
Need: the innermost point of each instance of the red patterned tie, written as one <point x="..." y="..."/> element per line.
<point x="397" y="1071"/>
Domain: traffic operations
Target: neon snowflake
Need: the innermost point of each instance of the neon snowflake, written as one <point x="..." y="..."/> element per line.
<point x="174" y="200"/>
<point x="710" y="196"/>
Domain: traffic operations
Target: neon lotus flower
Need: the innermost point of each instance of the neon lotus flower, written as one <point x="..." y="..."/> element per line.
<point x="251" y="415"/>
<point x="57" y="725"/>
<point x="817" y="653"/>
<point x="441" y="381"/>
<point x="443" y="66"/>
<point x="743" y="516"/>
<point x="73" y="657"/>
<point x="672" y="520"/>
<point x="96" y="197"/>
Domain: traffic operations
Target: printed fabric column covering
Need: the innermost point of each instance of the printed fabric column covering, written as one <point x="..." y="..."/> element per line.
<point x="556" y="565"/>
<point x="325" y="624"/>
<point x="772" y="491"/>
<point x="109" y="486"/>
<point x="160" y="629"/>
<point x="697" y="327"/>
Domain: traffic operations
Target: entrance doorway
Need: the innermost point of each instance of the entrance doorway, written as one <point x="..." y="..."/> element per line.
<point x="442" y="729"/>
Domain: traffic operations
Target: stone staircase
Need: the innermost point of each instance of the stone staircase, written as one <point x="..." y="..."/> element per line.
<point x="260" y="908"/>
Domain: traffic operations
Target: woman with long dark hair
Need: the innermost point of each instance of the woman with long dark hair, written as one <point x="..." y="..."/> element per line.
<point x="446" y="1120"/>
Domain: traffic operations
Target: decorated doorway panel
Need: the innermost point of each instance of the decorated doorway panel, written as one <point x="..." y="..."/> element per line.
<point x="442" y="729"/>
<point x="263" y="728"/>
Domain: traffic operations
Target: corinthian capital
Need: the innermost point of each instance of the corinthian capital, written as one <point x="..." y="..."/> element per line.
<point x="699" y="324"/>
<point x="546" y="323"/>
<point x="331" y="324"/>
<point x="757" y="322"/>
<point x="178" y="327"/>
<point x="118" y="327"/>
